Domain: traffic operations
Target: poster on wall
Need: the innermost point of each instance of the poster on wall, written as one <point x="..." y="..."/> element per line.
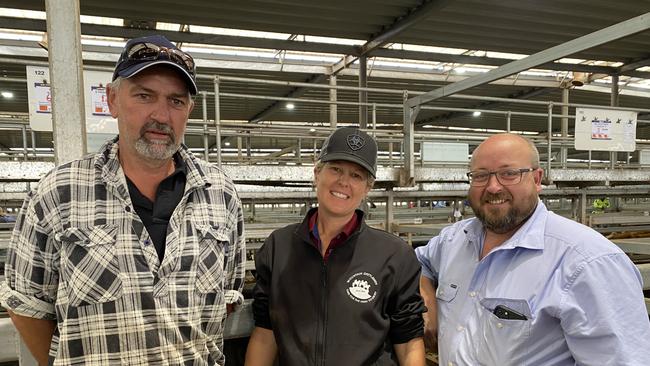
<point x="605" y="129"/>
<point x="99" y="101"/>
<point x="39" y="98"/>
<point x="100" y="125"/>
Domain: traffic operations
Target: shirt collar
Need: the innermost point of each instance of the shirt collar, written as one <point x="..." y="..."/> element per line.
<point x="107" y="160"/>
<point x="530" y="235"/>
<point x="348" y="229"/>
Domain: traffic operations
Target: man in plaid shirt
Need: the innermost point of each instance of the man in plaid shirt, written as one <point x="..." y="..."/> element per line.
<point x="131" y="255"/>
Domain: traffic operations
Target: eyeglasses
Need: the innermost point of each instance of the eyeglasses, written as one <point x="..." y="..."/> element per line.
<point x="505" y="177"/>
<point x="151" y="52"/>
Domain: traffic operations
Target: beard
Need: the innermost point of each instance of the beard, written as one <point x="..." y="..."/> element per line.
<point x="157" y="149"/>
<point x="500" y="223"/>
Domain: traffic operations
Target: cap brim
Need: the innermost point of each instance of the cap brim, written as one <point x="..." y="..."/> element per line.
<point x="351" y="158"/>
<point x="137" y="68"/>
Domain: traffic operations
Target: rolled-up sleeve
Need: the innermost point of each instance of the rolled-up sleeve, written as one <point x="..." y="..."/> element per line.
<point x="603" y="313"/>
<point x="31" y="269"/>
<point x="429" y="258"/>
<point x="406" y="321"/>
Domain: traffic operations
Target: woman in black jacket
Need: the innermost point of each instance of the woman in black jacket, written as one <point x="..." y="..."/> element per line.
<point x="331" y="290"/>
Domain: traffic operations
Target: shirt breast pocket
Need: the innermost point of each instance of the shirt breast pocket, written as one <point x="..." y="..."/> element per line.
<point x="510" y="331"/>
<point x="446" y="291"/>
<point x="90" y="266"/>
<point x="210" y="269"/>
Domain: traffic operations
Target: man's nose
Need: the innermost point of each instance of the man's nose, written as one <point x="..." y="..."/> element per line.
<point x="161" y="111"/>
<point x="493" y="183"/>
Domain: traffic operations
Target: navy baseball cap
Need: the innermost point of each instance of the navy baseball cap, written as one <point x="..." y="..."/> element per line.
<point x="351" y="144"/>
<point x="144" y="52"/>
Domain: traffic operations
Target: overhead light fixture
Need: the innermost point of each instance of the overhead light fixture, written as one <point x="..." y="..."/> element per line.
<point x="580" y="78"/>
<point x="227" y="143"/>
<point x="7" y="94"/>
<point x="312" y="130"/>
<point x="476" y="113"/>
<point x="290" y="106"/>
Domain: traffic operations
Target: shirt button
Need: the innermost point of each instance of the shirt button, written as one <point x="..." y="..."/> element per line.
<point x="450" y="363"/>
<point x="127" y="209"/>
<point x="460" y="328"/>
<point x="147" y="242"/>
<point x="472" y="294"/>
<point x="499" y="325"/>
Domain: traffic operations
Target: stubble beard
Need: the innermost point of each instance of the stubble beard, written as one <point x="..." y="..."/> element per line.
<point x="493" y="220"/>
<point x="157" y="150"/>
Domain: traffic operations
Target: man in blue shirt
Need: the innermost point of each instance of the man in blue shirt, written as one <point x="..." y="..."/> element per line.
<point x="520" y="285"/>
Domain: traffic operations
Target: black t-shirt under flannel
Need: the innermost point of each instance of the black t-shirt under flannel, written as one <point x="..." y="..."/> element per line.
<point x="155" y="215"/>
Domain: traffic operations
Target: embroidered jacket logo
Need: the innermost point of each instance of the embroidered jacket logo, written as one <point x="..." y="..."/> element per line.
<point x="362" y="287"/>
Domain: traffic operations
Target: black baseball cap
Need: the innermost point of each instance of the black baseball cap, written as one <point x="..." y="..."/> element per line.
<point x="141" y="53"/>
<point x="351" y="144"/>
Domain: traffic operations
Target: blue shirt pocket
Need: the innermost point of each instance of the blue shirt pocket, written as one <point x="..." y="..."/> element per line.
<point x="504" y="340"/>
<point x="446" y="291"/>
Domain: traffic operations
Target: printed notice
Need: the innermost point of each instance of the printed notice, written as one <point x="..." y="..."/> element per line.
<point x="99" y="101"/>
<point x="601" y="129"/>
<point x="43" y="98"/>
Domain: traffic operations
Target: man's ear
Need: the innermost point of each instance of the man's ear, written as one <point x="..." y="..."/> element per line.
<point x="192" y="104"/>
<point x="111" y="95"/>
<point x="538" y="174"/>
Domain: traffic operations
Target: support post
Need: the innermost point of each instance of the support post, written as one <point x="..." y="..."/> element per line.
<point x="613" y="155"/>
<point x="549" y="141"/>
<point x="333" y="99"/>
<point x="408" y="171"/>
<point x="363" y="94"/>
<point x="583" y="207"/>
<point x="389" y="209"/>
<point x="25" y="143"/>
<point x="565" y="125"/>
<point x="217" y="119"/>
<point x="64" y="52"/>
<point x="206" y="145"/>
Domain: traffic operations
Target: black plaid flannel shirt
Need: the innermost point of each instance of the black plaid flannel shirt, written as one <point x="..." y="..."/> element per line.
<point x="80" y="256"/>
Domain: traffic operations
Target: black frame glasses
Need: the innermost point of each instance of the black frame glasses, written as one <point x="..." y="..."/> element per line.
<point x="150" y="52"/>
<point x="505" y="176"/>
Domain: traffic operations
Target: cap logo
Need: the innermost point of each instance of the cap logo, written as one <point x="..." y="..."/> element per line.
<point x="355" y="142"/>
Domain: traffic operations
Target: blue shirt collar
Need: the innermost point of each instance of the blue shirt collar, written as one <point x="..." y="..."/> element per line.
<point x="530" y="235"/>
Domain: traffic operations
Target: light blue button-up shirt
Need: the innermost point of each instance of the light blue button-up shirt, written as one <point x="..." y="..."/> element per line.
<point x="580" y="293"/>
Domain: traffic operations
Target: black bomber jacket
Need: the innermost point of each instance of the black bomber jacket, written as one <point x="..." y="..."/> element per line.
<point x="350" y="310"/>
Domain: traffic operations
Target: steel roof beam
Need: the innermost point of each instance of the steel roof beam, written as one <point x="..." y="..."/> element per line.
<point x="402" y="23"/>
<point x="376" y="41"/>
<point x="634" y="65"/>
<point x="614" y="32"/>
<point x="524" y="94"/>
<point x="295" y="93"/>
<point x="293" y="45"/>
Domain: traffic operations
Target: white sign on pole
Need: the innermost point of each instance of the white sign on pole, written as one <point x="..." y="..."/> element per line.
<point x="100" y="125"/>
<point x="445" y="152"/>
<point x="39" y="98"/>
<point x="605" y="130"/>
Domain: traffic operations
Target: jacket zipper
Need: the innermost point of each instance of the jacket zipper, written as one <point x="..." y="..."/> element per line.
<point x="323" y="319"/>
